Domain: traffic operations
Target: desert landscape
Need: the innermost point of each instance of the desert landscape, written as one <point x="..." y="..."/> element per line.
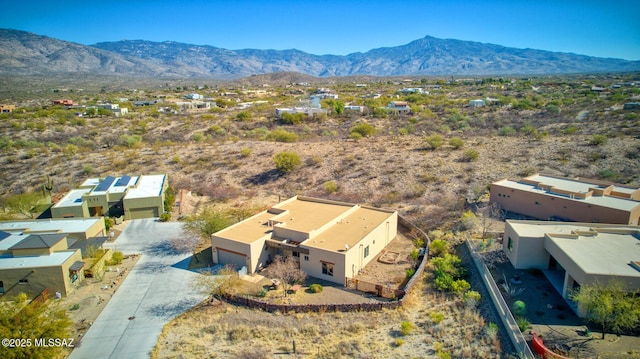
<point x="431" y="164"/>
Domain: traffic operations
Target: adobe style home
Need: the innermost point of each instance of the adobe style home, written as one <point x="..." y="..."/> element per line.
<point x="574" y="254"/>
<point x="44" y="254"/>
<point x="568" y="199"/>
<point x="132" y="197"/>
<point x="332" y="240"/>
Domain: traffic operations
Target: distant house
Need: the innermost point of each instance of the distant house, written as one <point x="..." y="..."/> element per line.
<point x="7" y="108"/>
<point x="115" y="108"/>
<point x="146" y="103"/>
<point x="65" y="102"/>
<point x="132" y="197"/>
<point x="631" y="106"/>
<point x="193" y="96"/>
<point x="417" y="90"/>
<point x="354" y="108"/>
<point x="398" y="107"/>
<point x="307" y="110"/>
<point x="476" y="103"/>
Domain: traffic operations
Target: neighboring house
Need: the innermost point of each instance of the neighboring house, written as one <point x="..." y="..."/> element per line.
<point x="307" y="110"/>
<point x="193" y="96"/>
<point x="354" y="108"/>
<point x="131" y="197"/>
<point x="398" y="107"/>
<point x="7" y="108"/>
<point x="556" y="198"/>
<point x="631" y="106"/>
<point x="146" y="103"/>
<point x="115" y="108"/>
<point x="331" y="240"/>
<point x="38" y="254"/>
<point x="417" y="90"/>
<point x="574" y="254"/>
<point x="65" y="102"/>
<point x="476" y="103"/>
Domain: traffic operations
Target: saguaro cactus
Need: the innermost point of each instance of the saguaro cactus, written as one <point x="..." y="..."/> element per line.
<point x="47" y="187"/>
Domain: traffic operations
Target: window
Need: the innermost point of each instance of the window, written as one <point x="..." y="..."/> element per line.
<point x="366" y="251"/>
<point x="327" y="268"/>
<point x="296" y="254"/>
<point x="510" y="244"/>
<point x="306" y="258"/>
<point x="23" y="281"/>
<point x="538" y="203"/>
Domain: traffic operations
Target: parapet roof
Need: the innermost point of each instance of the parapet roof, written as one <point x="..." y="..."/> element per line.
<point x="330" y="225"/>
<point x="67" y="225"/>
<point x="53" y="259"/>
<point x="580" y="187"/>
<point x="147" y="186"/>
<point x="602" y="251"/>
<point x="35" y="241"/>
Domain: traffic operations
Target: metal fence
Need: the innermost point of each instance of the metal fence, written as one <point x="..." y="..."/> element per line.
<point x="518" y="340"/>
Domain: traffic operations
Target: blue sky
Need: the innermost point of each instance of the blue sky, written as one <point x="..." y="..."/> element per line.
<point x="595" y="28"/>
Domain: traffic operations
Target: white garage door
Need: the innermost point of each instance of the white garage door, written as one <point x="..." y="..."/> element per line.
<point x="225" y="257"/>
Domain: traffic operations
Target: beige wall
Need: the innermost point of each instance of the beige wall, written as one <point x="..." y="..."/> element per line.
<point x="231" y="246"/>
<point x="79" y="211"/>
<point x="56" y="278"/>
<point x="526" y="252"/>
<point x="313" y="266"/>
<point x="542" y="206"/>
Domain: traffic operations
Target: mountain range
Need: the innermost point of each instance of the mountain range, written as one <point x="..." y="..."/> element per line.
<point x="24" y="53"/>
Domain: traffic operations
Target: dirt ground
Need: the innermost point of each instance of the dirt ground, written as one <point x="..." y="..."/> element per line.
<point x="552" y="318"/>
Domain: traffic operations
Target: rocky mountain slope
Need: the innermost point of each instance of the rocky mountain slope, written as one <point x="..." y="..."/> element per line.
<point x="25" y="53"/>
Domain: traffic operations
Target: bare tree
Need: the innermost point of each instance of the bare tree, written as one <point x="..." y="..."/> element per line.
<point x="186" y="243"/>
<point x="287" y="271"/>
<point x="225" y="281"/>
<point x="490" y="213"/>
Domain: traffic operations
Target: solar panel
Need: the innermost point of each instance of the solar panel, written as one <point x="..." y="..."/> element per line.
<point x="123" y="181"/>
<point x="105" y="184"/>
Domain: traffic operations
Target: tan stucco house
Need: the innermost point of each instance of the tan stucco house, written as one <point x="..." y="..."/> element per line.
<point x="569" y="199"/>
<point x="37" y="255"/>
<point x="133" y="197"/>
<point x="332" y="240"/>
<point x="574" y="254"/>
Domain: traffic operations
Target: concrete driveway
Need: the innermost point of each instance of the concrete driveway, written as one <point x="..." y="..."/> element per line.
<point x="156" y="290"/>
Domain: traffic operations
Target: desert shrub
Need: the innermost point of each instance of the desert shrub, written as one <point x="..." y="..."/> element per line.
<point x="570" y="130"/>
<point x="436" y="317"/>
<point x="506" y="131"/>
<point x="406" y="328"/>
<point x="286" y="161"/>
<point x="364" y="129"/>
<point x="129" y="140"/>
<point x="460" y="287"/>
<point x="597" y="140"/>
<point x="456" y="142"/>
<point x="435" y="141"/>
<point x="315" y="288"/>
<point x="87" y="170"/>
<point x="398" y="342"/>
<point x="197" y="137"/>
<point x="246" y="152"/>
<point x="244" y="116"/>
<point x="472" y="298"/>
<point x="262" y="293"/>
<point x="331" y="187"/>
<point x="292" y="118"/>
<point x="470" y="155"/>
<point x="282" y="135"/>
<point x="116" y="258"/>
<point x="438" y="248"/>
<point x="491" y="330"/>
<point x="108" y="223"/>
<point x="409" y="272"/>
<point x="523" y="323"/>
<point x="165" y="217"/>
<point x="355" y="136"/>
<point x="468" y="221"/>
<point x="519" y="308"/>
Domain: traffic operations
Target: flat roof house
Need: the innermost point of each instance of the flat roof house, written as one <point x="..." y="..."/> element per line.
<point x="332" y="240"/>
<point x="556" y="198"/>
<point x="132" y="197"/>
<point x="38" y="254"/>
<point x="574" y="254"/>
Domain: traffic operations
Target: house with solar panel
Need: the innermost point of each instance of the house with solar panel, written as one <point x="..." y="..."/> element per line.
<point x="131" y="197"/>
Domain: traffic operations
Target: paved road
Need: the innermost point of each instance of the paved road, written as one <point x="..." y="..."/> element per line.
<point x="156" y="290"/>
